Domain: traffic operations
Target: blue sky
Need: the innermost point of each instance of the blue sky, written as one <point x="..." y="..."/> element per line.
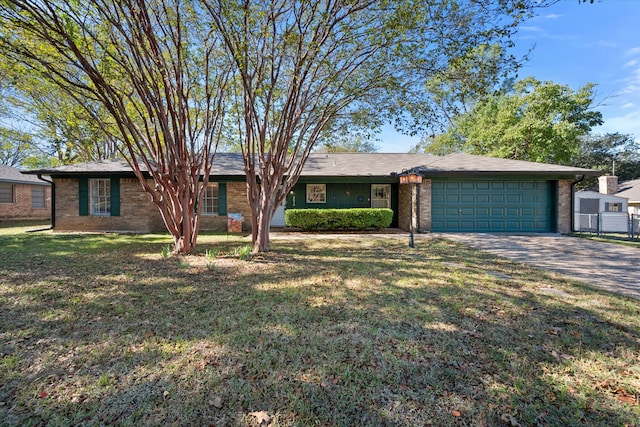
<point x="575" y="44"/>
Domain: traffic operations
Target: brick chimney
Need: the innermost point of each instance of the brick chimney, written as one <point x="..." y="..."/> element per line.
<point x="608" y="184"/>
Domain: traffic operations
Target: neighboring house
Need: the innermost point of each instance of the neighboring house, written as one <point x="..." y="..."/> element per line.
<point x="459" y="193"/>
<point x="631" y="191"/>
<point x="23" y="196"/>
<point x="592" y="207"/>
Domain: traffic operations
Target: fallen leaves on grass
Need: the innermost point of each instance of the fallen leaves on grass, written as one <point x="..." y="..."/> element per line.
<point x="261" y="417"/>
<point x="511" y="420"/>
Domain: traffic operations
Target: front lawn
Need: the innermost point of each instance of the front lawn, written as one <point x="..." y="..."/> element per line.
<point x="104" y="329"/>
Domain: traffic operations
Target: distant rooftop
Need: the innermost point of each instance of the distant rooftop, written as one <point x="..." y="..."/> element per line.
<point x="15" y="176"/>
<point x="630" y="190"/>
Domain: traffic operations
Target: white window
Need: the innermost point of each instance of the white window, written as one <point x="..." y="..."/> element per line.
<point x="613" y="207"/>
<point x="38" y="197"/>
<point x="100" y="202"/>
<point x="210" y="199"/>
<point x="381" y="196"/>
<point x="6" y="193"/>
<point x="316" y="193"/>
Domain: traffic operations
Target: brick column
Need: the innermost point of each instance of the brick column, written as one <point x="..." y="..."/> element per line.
<point x="564" y="206"/>
<point x="425" y="205"/>
<point x="403" y="206"/>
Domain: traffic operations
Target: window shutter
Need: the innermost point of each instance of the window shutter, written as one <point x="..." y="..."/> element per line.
<point x="83" y="196"/>
<point x="222" y="198"/>
<point x="115" y="196"/>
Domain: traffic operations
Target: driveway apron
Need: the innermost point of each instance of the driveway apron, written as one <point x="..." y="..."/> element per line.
<point x="613" y="267"/>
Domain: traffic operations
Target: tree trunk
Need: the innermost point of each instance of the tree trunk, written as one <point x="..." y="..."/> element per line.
<point x="261" y="221"/>
<point x="184" y="245"/>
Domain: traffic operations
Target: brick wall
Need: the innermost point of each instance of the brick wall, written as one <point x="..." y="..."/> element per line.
<point x="564" y="206"/>
<point x="21" y="208"/>
<point x="137" y="211"/>
<point x="237" y="202"/>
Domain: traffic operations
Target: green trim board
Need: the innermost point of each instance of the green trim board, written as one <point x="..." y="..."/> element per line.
<point x="348" y="179"/>
<point x="114" y="196"/>
<point x="222" y="198"/>
<point x="83" y="196"/>
<point x="493" y="205"/>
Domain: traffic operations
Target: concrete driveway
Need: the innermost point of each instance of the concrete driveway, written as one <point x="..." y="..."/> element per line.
<point x="606" y="265"/>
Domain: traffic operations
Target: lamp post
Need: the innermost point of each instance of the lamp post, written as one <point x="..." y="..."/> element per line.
<point x="412" y="179"/>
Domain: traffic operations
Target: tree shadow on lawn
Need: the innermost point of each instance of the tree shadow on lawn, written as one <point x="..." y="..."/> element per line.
<point x="340" y="333"/>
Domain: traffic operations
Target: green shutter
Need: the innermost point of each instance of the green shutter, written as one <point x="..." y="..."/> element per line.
<point x="222" y="198"/>
<point x="83" y="196"/>
<point x="114" y="186"/>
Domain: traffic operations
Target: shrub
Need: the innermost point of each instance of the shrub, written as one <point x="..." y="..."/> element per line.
<point x="338" y="219"/>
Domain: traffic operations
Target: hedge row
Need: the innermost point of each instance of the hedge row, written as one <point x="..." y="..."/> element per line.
<point x="338" y="219"/>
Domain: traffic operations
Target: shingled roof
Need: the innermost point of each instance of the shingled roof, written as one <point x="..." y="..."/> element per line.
<point x="223" y="164"/>
<point x="459" y="163"/>
<point x="15" y="176"/>
<point x="358" y="165"/>
<point x="630" y="190"/>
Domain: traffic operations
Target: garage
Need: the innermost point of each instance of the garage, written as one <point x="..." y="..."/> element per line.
<point x="485" y="205"/>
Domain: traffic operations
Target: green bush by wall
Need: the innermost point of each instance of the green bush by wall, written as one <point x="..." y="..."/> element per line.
<point x="338" y="219"/>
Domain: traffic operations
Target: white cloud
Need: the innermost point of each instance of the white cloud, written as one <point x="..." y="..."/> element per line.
<point x="628" y="105"/>
<point x="633" y="51"/>
<point x="627" y="124"/>
<point x="631" y="63"/>
<point x="531" y="28"/>
<point x="553" y="16"/>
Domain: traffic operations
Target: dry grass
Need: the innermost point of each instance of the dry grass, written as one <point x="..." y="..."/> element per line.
<point x="101" y="329"/>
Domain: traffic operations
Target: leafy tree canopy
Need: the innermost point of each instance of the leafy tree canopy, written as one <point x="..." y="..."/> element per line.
<point x="148" y="77"/>
<point x="533" y="120"/>
<point x="613" y="153"/>
<point x="167" y="80"/>
<point x="308" y="70"/>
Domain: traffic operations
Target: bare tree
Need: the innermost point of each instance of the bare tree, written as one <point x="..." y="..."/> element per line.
<point x="156" y="71"/>
<point x="307" y="67"/>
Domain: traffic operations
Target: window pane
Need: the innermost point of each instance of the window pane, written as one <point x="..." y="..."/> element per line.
<point x="6" y="193"/>
<point x="316" y="193"/>
<point x="210" y="201"/>
<point x="100" y="196"/>
<point x="38" y="197"/>
<point x="381" y="196"/>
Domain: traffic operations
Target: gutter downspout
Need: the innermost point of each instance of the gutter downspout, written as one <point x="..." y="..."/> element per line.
<point x="53" y="200"/>
<point x="573" y="202"/>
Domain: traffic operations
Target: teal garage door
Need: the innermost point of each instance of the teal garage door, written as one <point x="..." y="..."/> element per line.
<point x="492" y="206"/>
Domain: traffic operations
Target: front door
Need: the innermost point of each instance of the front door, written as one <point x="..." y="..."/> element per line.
<point x="278" y="216"/>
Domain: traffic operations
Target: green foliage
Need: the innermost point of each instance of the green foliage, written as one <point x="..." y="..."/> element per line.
<point x="166" y="251"/>
<point x="211" y="254"/>
<point x="15" y="146"/>
<point x="534" y="121"/>
<point x="615" y="153"/>
<point x="338" y="219"/>
<point x="144" y="79"/>
<point x="243" y="252"/>
<point x="310" y="72"/>
<point x="354" y="144"/>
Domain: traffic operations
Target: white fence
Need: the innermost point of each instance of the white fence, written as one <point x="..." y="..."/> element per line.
<point x="609" y="222"/>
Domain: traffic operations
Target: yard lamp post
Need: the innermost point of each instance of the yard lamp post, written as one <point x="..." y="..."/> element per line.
<point x="412" y="179"/>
